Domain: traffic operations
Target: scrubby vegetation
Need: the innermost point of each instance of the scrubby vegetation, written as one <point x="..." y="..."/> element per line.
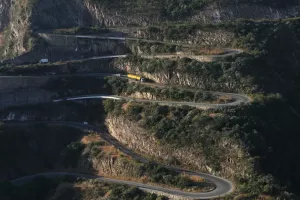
<point x="268" y="69"/>
<point x="68" y="187"/>
<point x="146" y="172"/>
<point x="121" y="87"/>
<point x="181" y="32"/>
<point x="41" y="151"/>
<point x="100" y="66"/>
<point x="82" y="30"/>
<point x="216" y="76"/>
<point x="258" y="128"/>
<point x="171" y="93"/>
<point x="265" y="132"/>
<point x="116" y="86"/>
<point x="173" y="9"/>
<point x="152" y="47"/>
<point x="12" y="47"/>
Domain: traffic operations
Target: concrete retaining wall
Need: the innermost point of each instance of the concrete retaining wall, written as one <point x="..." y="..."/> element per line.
<point x="11" y="83"/>
<point x="24" y="97"/>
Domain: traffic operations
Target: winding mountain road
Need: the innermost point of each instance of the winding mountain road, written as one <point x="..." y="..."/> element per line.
<point x="227" y="51"/>
<point x="238" y="99"/>
<point x="223" y="186"/>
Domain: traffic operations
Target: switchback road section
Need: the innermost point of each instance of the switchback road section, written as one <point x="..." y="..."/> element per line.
<point x="223" y="186"/>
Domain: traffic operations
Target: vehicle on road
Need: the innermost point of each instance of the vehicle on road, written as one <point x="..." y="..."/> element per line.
<point x="85" y="123"/>
<point x="50" y="73"/>
<point x="44" y="60"/>
<point x="136" y="77"/>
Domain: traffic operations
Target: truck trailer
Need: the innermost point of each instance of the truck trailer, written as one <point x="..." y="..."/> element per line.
<point x="136" y="77"/>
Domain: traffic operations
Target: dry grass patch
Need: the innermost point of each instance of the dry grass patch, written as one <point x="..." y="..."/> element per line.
<point x="194" y="178"/>
<point x="224" y="99"/>
<point x="91" y="138"/>
<point x="105" y="147"/>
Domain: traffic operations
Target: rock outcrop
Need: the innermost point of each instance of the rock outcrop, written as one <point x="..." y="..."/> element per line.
<point x="4" y="13"/>
<point x="233" y="11"/>
<point x="20" y="18"/>
<point x="233" y="163"/>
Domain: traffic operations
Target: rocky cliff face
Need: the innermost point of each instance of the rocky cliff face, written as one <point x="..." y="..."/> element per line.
<point x="15" y="19"/>
<point x="68" y="13"/>
<point x="57" y="14"/>
<point x="4" y="13"/>
<point x="233" y="11"/>
<point x="20" y="18"/>
<point x="107" y="165"/>
<point x="200" y="37"/>
<point x="233" y="163"/>
<point x="179" y="76"/>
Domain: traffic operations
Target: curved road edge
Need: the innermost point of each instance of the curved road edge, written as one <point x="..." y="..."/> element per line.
<point x="239" y="99"/>
<point x="223" y="186"/>
<point x="227" y="51"/>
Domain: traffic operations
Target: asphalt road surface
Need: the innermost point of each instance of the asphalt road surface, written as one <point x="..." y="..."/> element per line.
<point x="227" y="51"/>
<point x="223" y="186"/>
<point x="238" y="99"/>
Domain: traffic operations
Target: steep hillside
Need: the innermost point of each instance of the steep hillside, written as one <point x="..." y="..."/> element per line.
<point x="264" y="67"/>
<point x="101" y="12"/>
<point x="68" y="187"/>
<point x="244" y="144"/>
<point x="202" y="47"/>
<point x="17" y="20"/>
<point x="4" y="13"/>
<point x="78" y="151"/>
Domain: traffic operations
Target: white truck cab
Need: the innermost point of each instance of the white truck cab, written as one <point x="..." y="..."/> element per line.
<point x="44" y="60"/>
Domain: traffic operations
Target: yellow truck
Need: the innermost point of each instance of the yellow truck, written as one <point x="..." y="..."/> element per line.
<point x="135" y="77"/>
